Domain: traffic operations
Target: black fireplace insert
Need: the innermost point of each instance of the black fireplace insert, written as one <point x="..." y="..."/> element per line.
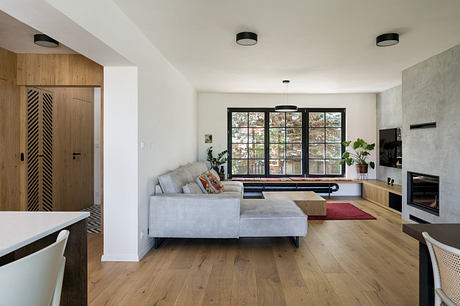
<point x="423" y="192"/>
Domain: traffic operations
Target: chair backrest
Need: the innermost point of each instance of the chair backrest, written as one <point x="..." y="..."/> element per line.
<point x="446" y="269"/>
<point x="31" y="280"/>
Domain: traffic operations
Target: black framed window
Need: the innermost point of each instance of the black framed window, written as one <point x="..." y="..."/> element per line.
<point x="265" y="143"/>
<point x="248" y="143"/>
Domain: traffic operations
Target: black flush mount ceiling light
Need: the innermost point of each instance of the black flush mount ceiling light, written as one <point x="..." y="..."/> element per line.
<point x="387" y="39"/>
<point x="246" y="38"/>
<point x="286" y="108"/>
<point x="45" y="41"/>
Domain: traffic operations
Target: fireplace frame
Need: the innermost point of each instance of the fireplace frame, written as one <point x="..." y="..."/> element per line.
<point x="430" y="210"/>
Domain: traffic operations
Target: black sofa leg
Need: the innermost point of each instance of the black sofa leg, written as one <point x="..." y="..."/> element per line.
<point x="157" y="242"/>
<point x="296" y="241"/>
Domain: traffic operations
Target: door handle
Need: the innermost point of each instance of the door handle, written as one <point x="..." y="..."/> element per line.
<point x="75" y="154"/>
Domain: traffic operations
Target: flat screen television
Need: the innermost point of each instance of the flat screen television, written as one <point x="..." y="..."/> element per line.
<point x="390" y="148"/>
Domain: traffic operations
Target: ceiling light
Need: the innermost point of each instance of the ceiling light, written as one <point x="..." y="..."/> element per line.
<point x="246" y="38"/>
<point x="387" y="39"/>
<point x="286" y="108"/>
<point x="45" y="41"/>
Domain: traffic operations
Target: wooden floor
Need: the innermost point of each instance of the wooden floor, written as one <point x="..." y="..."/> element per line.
<point x="355" y="262"/>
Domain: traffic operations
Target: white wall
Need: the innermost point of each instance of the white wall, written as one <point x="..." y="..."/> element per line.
<point x="212" y="115"/>
<point x="120" y="164"/>
<point x="167" y="130"/>
<point x="97" y="146"/>
<point x="165" y="122"/>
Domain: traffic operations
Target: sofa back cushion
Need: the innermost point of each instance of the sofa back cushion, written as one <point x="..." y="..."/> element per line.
<point x="172" y="182"/>
<point x="197" y="168"/>
<point x="192" y="188"/>
<point x="187" y="173"/>
<point x="209" y="183"/>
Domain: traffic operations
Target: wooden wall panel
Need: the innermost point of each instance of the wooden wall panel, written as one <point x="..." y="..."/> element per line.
<point x="9" y="133"/>
<point x="58" y="70"/>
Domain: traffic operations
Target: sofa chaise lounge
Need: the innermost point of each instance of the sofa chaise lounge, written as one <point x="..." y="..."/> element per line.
<point x="174" y="214"/>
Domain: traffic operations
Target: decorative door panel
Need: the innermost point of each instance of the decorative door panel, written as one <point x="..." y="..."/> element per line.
<point x="39" y="150"/>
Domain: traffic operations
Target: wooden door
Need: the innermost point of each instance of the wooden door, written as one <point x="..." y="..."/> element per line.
<point x="59" y="148"/>
<point x="82" y="146"/>
<point x="74" y="148"/>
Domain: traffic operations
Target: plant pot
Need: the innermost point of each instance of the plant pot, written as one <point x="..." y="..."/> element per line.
<point x="222" y="173"/>
<point x="361" y="169"/>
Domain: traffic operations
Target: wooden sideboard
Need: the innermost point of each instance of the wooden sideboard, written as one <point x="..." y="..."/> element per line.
<point x="379" y="192"/>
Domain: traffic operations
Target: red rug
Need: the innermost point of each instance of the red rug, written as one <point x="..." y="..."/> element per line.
<point x="343" y="211"/>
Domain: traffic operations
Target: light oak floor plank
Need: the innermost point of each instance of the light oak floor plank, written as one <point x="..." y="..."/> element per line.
<point x="339" y="262"/>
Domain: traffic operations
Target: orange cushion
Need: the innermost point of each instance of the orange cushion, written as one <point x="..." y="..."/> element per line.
<point x="210" y="182"/>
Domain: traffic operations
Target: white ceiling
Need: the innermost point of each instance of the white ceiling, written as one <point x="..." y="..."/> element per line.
<point x="323" y="46"/>
<point x="19" y="38"/>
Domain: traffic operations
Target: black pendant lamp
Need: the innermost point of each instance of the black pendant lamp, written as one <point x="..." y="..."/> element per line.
<point x="45" y="41"/>
<point x="286" y="108"/>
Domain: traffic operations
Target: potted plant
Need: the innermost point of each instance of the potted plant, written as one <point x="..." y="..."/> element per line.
<point x="217" y="161"/>
<point x="361" y="152"/>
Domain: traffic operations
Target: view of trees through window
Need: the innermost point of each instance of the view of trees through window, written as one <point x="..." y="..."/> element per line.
<point x="263" y="142"/>
<point x="285" y="143"/>
<point x="248" y="143"/>
<point x="324" y="143"/>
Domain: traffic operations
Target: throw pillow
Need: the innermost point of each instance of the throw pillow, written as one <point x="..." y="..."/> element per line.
<point x="209" y="183"/>
<point x="214" y="172"/>
<point x="215" y="181"/>
<point x="192" y="188"/>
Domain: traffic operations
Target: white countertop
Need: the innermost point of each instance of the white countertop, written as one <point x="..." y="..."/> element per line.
<point x="19" y="228"/>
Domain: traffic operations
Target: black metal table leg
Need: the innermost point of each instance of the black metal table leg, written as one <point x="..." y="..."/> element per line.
<point x="296" y="241"/>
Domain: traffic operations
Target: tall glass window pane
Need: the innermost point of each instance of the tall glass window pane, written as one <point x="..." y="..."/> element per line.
<point x="285" y="143"/>
<point x="248" y="143"/>
<point x="325" y="138"/>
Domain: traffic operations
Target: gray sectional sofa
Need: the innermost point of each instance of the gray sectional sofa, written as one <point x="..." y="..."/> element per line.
<point x="174" y="214"/>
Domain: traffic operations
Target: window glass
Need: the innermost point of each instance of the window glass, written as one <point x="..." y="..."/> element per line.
<point x="248" y="143"/>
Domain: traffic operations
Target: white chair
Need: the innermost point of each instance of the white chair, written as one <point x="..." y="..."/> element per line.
<point x="446" y="271"/>
<point x="35" y="279"/>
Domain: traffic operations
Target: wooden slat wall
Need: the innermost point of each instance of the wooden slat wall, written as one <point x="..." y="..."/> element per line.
<point x="9" y="133"/>
<point x="58" y="70"/>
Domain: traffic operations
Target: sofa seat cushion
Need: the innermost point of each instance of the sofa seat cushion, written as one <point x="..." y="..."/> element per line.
<point x="232" y="188"/>
<point x="271" y="218"/>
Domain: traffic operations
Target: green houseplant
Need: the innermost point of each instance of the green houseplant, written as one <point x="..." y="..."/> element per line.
<point x="362" y="151"/>
<point x="216" y="161"/>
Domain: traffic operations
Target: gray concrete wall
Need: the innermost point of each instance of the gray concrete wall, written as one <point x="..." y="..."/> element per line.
<point x="389" y="115"/>
<point x="431" y="92"/>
